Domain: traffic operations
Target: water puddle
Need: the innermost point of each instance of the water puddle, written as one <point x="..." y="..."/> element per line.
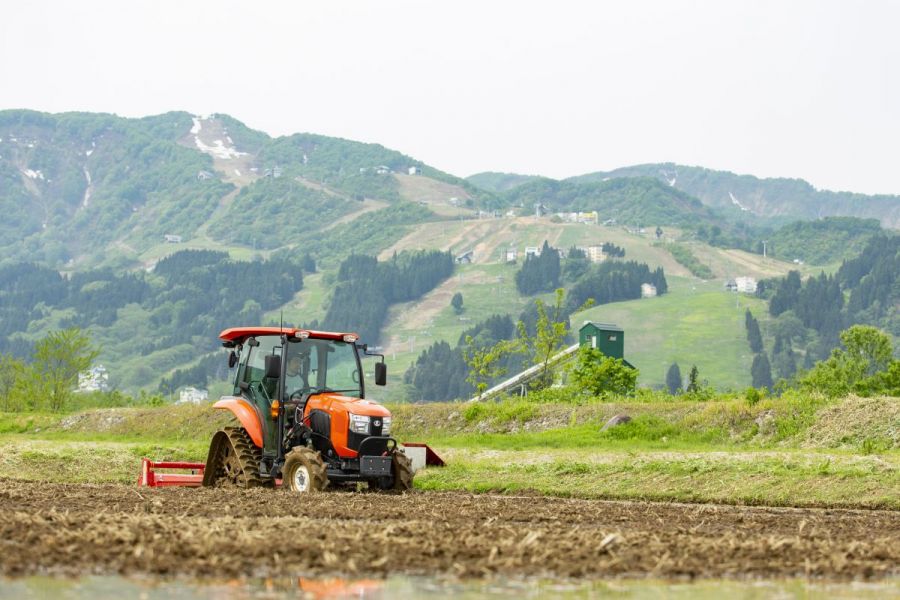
<point x="403" y="588"/>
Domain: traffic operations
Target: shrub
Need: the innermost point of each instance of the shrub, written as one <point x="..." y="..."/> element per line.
<point x="599" y="375"/>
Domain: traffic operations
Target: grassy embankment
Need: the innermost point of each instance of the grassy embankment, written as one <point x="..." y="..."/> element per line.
<point x="803" y="451"/>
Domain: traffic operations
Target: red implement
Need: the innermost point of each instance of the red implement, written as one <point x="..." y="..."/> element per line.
<point x="431" y="457"/>
<point x="150" y="478"/>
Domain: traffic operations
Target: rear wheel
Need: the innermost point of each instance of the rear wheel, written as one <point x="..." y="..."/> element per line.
<point x="401" y="474"/>
<point x="233" y="460"/>
<point x="304" y="471"/>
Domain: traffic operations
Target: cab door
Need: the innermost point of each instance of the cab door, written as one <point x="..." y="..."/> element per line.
<point x="260" y="390"/>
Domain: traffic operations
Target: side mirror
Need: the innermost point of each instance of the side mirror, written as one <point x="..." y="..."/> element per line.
<point x="273" y="366"/>
<point x="380" y="373"/>
<point x="232" y="359"/>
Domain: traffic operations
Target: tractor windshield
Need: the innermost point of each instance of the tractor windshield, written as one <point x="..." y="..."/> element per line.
<point x="315" y="366"/>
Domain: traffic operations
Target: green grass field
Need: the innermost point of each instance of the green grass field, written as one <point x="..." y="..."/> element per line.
<point x="696" y="323"/>
<point x="792" y="451"/>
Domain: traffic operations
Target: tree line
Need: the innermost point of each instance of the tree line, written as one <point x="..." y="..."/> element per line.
<point x="366" y="288"/>
<point x="188" y="299"/>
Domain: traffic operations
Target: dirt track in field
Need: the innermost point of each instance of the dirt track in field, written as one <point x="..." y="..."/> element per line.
<point x="78" y="529"/>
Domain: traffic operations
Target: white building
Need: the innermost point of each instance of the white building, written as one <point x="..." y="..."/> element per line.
<point x="172" y="239"/>
<point x="413" y="170"/>
<point x="512" y="255"/>
<point x="648" y="290"/>
<point x="94" y="380"/>
<point x="595" y="253"/>
<point x="532" y="251"/>
<point x="745" y="285"/>
<point x="191" y="395"/>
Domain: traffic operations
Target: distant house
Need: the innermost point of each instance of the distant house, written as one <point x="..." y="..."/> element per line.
<point x="648" y="290"/>
<point x="532" y="251"/>
<point x="596" y="254"/>
<point x="172" y="239"/>
<point x="512" y="255"/>
<point x="202" y="175"/>
<point x="742" y="285"/>
<point x="383" y="170"/>
<point x="745" y="285"/>
<point x="414" y="170"/>
<point x="192" y="395"/>
<point x="588" y="218"/>
<point x="465" y="257"/>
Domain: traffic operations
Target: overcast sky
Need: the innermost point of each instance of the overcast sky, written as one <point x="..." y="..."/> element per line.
<point x="796" y="89"/>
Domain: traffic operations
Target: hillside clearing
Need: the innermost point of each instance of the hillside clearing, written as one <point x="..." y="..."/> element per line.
<point x="436" y="194"/>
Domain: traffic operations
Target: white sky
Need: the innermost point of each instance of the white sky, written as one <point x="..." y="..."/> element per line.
<point x="786" y="88"/>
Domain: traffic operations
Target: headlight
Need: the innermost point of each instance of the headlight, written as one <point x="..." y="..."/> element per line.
<point x="359" y="424"/>
<point x="386" y="426"/>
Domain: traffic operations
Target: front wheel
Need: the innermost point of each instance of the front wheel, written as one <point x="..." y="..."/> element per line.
<point x="304" y="471"/>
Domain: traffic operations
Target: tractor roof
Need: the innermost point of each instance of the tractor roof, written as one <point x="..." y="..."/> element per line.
<point x="237" y="335"/>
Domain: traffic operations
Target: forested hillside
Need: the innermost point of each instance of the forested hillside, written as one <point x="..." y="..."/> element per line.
<point x="811" y="314"/>
<point x="755" y="198"/>
<point x="154" y="234"/>
<point x="163" y="318"/>
<point x="75" y="183"/>
<point x="822" y="241"/>
<point x="640" y="202"/>
<point x="499" y="182"/>
<point x="365" y="288"/>
<point x="86" y="189"/>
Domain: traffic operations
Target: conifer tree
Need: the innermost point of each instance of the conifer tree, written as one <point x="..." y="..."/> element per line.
<point x="673" y="379"/>
<point x="761" y="371"/>
<point x="753" y="334"/>
<point x="693" y="380"/>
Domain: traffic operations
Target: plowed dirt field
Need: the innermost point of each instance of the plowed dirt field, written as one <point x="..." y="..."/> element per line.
<point x="80" y="529"/>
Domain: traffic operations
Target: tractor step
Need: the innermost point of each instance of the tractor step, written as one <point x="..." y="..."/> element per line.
<point x="149" y="476"/>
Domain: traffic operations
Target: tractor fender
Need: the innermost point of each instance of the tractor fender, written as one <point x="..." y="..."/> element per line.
<point x="245" y="414"/>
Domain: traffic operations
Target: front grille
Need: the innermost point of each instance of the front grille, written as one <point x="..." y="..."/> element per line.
<point x="354" y="439"/>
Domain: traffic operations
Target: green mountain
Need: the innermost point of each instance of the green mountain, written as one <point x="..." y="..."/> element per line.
<point x="499" y="182"/>
<point x="99" y="210"/>
<point x="85" y="189"/>
<point x="774" y="200"/>
<point x="823" y="241"/>
<point x="76" y="183"/>
<point x="637" y="201"/>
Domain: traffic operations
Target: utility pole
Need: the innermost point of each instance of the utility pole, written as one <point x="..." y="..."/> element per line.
<point x="764" y="247"/>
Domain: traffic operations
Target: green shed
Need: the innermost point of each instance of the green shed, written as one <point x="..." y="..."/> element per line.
<point x="608" y="338"/>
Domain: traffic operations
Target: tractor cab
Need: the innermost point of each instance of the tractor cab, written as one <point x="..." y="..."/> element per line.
<point x="301" y="394"/>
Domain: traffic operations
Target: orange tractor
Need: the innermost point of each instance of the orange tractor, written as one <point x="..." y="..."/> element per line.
<point x="299" y="396"/>
<point x="300" y="399"/>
